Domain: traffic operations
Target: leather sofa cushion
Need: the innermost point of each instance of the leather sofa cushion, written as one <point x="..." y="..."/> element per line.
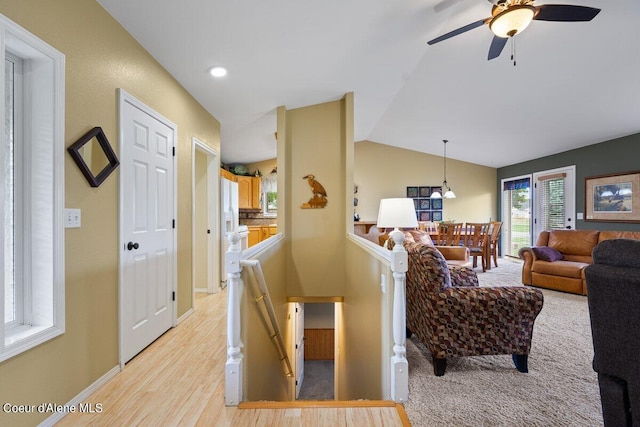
<point x="574" y="242"/>
<point x="560" y="268"/>
<point x="606" y="235"/>
<point x="578" y="258"/>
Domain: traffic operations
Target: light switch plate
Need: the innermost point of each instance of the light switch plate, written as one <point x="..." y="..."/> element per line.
<point x="72" y="218"/>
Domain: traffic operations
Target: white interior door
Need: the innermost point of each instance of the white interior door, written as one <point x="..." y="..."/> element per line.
<point x="299" y="347"/>
<point x="147" y="212"/>
<point x="554" y="199"/>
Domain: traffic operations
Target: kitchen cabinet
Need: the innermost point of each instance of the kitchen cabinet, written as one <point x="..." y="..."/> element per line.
<point x="258" y="233"/>
<point x="248" y="192"/>
<point x="255" y="235"/>
<point x="268" y="231"/>
<point x="227" y="175"/>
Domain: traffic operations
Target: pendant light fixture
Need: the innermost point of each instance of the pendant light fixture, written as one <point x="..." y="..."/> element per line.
<point x="448" y="193"/>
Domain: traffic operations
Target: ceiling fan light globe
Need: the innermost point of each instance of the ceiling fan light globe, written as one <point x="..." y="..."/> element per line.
<point x="512" y="21"/>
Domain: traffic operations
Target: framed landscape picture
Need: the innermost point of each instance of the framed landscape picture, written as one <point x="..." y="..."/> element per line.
<point x="612" y="198"/>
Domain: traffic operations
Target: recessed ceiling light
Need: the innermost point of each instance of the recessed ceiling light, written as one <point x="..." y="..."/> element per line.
<point x="218" y="71"/>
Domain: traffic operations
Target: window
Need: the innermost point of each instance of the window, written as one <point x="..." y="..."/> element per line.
<point x="270" y="194"/>
<point x="271" y="200"/>
<point x="554" y="199"/>
<point x="32" y="190"/>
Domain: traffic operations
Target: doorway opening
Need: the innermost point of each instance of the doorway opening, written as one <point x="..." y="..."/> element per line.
<point x="315" y="338"/>
<point x="205" y="252"/>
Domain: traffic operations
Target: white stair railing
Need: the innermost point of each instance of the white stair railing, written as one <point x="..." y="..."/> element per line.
<point x="235" y="288"/>
<point x="262" y="295"/>
<point x="233" y="367"/>
<point x="399" y="363"/>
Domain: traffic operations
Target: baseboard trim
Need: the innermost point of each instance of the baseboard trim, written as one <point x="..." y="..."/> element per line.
<point x="81" y="397"/>
<point x="318" y="404"/>
<point x="184" y="316"/>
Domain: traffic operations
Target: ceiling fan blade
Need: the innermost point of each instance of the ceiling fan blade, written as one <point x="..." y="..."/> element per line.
<point x="497" y="44"/>
<point x="565" y="13"/>
<point x="459" y="31"/>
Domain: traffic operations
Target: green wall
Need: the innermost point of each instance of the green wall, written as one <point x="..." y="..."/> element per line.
<point x="614" y="156"/>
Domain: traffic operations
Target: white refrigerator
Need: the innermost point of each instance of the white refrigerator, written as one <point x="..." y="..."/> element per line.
<point x="229" y="223"/>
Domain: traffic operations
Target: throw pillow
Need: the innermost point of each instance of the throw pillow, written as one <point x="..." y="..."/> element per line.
<point x="421" y="237"/>
<point x="547" y="253"/>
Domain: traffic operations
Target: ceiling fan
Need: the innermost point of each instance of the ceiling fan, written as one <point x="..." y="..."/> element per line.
<point x="511" y="17"/>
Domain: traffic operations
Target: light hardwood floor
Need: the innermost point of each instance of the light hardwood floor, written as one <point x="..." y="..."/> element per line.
<point x="179" y="381"/>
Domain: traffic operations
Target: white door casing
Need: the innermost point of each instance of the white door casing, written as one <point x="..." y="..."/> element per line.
<point x="552" y="212"/>
<point x="213" y="224"/>
<point x="147" y="226"/>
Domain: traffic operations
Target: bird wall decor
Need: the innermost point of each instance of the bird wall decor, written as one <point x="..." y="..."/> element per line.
<point x="319" y="198"/>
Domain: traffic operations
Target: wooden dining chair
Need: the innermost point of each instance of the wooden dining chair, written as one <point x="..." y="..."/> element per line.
<point x="477" y="240"/>
<point x="449" y="233"/>
<point x="496" y="227"/>
<point x="428" y="226"/>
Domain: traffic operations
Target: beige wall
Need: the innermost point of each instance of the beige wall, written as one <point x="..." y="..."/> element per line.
<point x="100" y="58"/>
<point x="264" y="373"/>
<point x="265" y="166"/>
<point x="366" y="339"/>
<point x="383" y="171"/>
<point x="315" y="144"/>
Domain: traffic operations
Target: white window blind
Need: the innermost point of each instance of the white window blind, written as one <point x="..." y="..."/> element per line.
<point x="551" y="190"/>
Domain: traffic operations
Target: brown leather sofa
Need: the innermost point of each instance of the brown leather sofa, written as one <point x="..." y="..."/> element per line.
<point x="575" y="247"/>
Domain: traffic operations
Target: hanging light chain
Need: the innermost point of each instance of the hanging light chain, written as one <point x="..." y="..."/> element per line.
<point x="445" y="162"/>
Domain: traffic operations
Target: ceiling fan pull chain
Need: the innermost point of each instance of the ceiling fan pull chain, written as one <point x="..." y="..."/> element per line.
<point x="513" y="50"/>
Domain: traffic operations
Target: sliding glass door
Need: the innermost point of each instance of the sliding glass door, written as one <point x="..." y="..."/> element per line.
<point x="516" y="214"/>
<point x="533" y="203"/>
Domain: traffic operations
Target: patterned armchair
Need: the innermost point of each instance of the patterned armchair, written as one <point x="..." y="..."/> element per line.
<point x="453" y="316"/>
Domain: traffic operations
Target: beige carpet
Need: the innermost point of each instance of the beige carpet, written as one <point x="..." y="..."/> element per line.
<point x="561" y="388"/>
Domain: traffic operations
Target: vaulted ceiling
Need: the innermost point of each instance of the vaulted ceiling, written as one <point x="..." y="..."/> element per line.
<point x="574" y="84"/>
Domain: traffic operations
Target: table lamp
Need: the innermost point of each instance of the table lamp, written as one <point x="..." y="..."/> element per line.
<point x="397" y="213"/>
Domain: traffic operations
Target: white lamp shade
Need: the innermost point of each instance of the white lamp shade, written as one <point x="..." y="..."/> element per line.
<point x="436" y="195"/>
<point x="397" y="213"/>
<point x="449" y="194"/>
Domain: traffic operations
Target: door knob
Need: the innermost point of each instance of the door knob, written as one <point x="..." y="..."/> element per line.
<point x="568" y="227"/>
<point x="132" y="245"/>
